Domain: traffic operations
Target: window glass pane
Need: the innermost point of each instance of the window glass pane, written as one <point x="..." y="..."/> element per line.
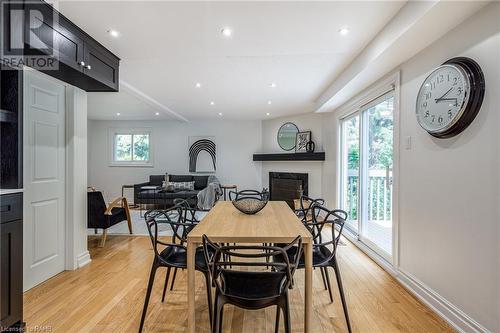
<point x="123" y="147"/>
<point x="141" y="147"/>
<point x="378" y="226"/>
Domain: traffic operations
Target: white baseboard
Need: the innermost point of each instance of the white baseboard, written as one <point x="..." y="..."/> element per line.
<point x="83" y="259"/>
<point x="458" y="319"/>
<point x="437" y="303"/>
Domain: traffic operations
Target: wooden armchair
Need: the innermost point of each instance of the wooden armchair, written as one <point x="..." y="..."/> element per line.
<point x="101" y="216"/>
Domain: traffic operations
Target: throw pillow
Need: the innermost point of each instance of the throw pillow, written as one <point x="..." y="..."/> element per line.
<point x="181" y="186"/>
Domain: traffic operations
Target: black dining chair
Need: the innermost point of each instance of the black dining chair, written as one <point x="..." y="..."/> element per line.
<point x="188" y="216"/>
<point x="325" y="251"/>
<point x="173" y="254"/>
<point x="258" y="284"/>
<point x="304" y="212"/>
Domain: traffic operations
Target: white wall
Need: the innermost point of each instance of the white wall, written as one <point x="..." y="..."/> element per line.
<point x="449" y="200"/>
<point x="307" y="122"/>
<point x="449" y="189"/>
<point x="449" y="214"/>
<point x="236" y="142"/>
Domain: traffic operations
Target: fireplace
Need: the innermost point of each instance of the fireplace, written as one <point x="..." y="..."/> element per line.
<point x="287" y="186"/>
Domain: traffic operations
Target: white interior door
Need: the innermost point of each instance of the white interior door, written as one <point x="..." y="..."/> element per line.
<point x="44" y="177"/>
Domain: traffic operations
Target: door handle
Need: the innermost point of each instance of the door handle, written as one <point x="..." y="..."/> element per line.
<point x="5" y="208"/>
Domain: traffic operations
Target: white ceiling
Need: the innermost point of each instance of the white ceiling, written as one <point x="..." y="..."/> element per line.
<point x="166" y="47"/>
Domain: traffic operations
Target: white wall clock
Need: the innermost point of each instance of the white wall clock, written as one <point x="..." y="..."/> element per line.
<point x="450" y="97"/>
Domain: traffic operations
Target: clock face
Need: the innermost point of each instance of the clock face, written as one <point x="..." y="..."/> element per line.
<point x="442" y="98"/>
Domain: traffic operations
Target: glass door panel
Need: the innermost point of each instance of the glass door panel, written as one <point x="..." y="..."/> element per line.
<point x="377" y="174"/>
<point x="366" y="173"/>
<point x="351" y="164"/>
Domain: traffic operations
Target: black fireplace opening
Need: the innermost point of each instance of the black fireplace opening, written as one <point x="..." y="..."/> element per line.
<point x="288" y="186"/>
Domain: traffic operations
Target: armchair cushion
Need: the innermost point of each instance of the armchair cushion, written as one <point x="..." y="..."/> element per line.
<point x="96" y="207"/>
<point x="118" y="214"/>
<point x="95" y="210"/>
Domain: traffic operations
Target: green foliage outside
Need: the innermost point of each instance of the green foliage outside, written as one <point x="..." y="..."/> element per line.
<point x="380" y="158"/>
<point x="132" y="147"/>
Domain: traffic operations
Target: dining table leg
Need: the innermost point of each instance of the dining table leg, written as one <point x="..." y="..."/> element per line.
<point x="191" y="248"/>
<point x="308" y="287"/>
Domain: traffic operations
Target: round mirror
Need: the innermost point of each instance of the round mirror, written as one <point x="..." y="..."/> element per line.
<point x="286" y="136"/>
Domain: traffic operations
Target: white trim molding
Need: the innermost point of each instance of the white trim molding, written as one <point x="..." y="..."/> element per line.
<point x="83" y="259"/>
<point x="76" y="179"/>
<point x="127" y="87"/>
<point x="437" y="303"/>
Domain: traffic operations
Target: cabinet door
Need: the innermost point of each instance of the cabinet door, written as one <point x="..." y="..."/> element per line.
<point x="52" y="34"/>
<point x="101" y="65"/>
<point x="11" y="273"/>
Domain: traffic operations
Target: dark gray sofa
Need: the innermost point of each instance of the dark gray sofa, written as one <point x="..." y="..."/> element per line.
<point x="166" y="199"/>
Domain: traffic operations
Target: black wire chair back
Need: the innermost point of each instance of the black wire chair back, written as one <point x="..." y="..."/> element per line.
<point x="322" y="217"/>
<point x="221" y="260"/>
<point x="153" y="217"/>
<point x="306" y="205"/>
<point x="189" y="212"/>
<point x="175" y="218"/>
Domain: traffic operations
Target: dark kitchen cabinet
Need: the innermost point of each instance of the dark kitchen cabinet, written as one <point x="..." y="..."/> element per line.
<point x="78" y="58"/>
<point x="101" y="65"/>
<point x="11" y="261"/>
<point x="11" y="124"/>
<point x="53" y="35"/>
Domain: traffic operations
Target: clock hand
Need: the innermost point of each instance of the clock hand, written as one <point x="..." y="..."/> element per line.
<point x="446" y="93"/>
<point x="446" y="99"/>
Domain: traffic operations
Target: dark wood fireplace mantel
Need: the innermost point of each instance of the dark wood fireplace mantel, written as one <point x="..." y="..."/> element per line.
<point x="319" y="156"/>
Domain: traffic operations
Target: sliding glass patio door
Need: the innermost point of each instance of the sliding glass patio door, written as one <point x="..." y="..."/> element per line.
<point x="366" y="173"/>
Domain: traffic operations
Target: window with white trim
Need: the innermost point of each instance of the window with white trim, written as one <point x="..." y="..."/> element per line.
<point x="131" y="147"/>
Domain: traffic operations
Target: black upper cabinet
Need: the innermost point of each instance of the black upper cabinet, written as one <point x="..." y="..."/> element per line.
<point x="83" y="62"/>
<point x="101" y="65"/>
<point x="64" y="40"/>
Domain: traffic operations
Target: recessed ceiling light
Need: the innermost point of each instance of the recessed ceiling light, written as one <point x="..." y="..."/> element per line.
<point x="157" y="113"/>
<point x="344" y="31"/>
<point x="198" y="84"/>
<point x="212" y="103"/>
<point x="226" y="32"/>
<point x="114" y="33"/>
<point x="273" y="85"/>
<point x="269" y="102"/>
<point x="268" y="114"/>
<point x="118" y="113"/>
<point x="220" y="113"/>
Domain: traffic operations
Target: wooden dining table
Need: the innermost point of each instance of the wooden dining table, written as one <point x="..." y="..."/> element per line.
<point x="276" y="223"/>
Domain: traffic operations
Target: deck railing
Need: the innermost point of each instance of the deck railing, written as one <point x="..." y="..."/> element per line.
<point x="379" y="196"/>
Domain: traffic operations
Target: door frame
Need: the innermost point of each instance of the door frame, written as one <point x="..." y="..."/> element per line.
<point x="75" y="251"/>
<point x="356" y="105"/>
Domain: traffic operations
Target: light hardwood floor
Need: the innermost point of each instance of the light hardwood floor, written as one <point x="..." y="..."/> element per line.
<point x="108" y="295"/>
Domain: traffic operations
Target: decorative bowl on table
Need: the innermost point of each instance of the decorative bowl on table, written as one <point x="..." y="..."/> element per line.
<point x="249" y="205"/>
